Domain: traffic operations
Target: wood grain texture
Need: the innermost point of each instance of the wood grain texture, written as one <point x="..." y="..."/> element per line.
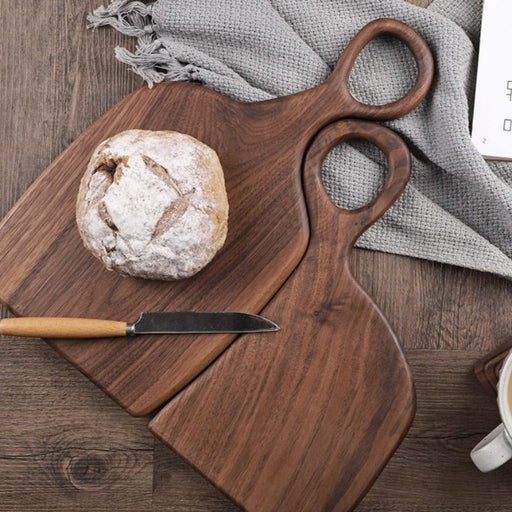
<point x="177" y="486"/>
<point x="306" y="420"/>
<point x="446" y="317"/>
<point x="261" y="148"/>
<point x="431" y="470"/>
<point x="488" y="368"/>
<point x="48" y="327"/>
<point x="63" y="446"/>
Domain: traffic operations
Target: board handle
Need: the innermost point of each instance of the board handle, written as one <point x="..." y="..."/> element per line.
<point x="338" y="81"/>
<point x="354" y="222"/>
<point x="52" y="327"/>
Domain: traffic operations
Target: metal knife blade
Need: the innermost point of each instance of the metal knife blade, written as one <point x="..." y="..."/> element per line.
<point x="197" y="322"/>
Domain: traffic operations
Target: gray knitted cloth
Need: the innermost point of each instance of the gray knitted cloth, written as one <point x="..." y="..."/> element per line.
<point x="457" y="208"/>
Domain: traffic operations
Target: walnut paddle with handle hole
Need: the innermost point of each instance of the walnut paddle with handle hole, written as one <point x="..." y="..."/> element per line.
<point x="305" y="421"/>
<point x="175" y="322"/>
<point x="261" y="147"/>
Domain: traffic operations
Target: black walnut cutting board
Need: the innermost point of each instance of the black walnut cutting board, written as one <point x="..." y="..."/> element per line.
<point x="304" y="420"/>
<point x="261" y="147"/>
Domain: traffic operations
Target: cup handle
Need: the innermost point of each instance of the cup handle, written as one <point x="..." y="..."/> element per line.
<point x="493" y="450"/>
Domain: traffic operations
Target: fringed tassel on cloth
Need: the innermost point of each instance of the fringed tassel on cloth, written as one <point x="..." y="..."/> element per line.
<point x="151" y="60"/>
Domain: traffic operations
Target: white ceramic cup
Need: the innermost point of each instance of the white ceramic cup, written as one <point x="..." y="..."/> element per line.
<point x="496" y="448"/>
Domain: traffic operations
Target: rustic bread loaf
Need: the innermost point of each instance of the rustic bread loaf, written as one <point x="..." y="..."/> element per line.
<point x="153" y="204"/>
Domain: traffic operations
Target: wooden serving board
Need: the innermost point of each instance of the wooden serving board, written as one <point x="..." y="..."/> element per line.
<point x="52" y="274"/>
<point x="488" y="368"/>
<point x="261" y="147"/>
<point x="305" y="419"/>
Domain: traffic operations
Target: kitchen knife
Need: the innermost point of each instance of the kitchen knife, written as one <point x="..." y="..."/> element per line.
<point x="175" y="322"/>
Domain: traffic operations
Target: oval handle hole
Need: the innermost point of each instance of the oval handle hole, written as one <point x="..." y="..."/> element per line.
<point x="384" y="71"/>
<point x="353" y="173"/>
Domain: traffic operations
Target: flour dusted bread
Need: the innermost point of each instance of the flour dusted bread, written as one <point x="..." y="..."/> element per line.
<point x="153" y="204"/>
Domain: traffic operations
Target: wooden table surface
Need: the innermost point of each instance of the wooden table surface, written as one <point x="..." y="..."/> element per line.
<point x="65" y="446"/>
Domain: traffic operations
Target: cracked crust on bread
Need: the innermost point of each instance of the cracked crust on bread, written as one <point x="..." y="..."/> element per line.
<point x="153" y="204"/>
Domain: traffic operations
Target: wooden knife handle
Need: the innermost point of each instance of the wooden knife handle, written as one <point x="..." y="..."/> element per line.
<point x="48" y="327"/>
